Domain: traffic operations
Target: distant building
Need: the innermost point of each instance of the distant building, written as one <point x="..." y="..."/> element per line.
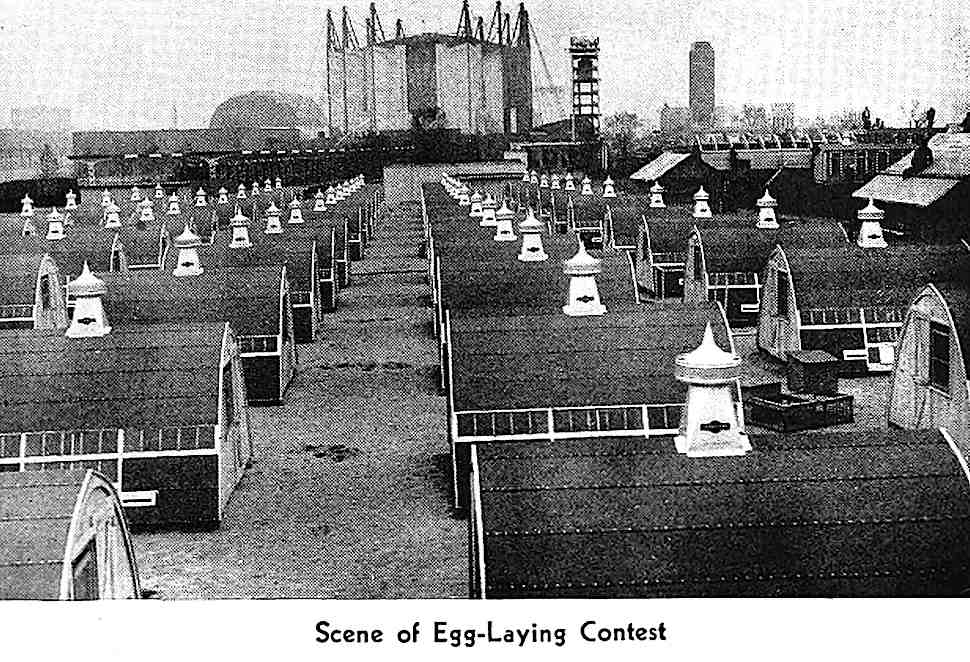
<point x="675" y="120"/>
<point x="782" y="117"/>
<point x="42" y="118"/>
<point x="269" y="109"/>
<point x="702" y="82"/>
<point x="754" y="117"/>
<point x="469" y="81"/>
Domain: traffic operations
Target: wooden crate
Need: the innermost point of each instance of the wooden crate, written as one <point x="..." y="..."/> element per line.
<point x="789" y="412"/>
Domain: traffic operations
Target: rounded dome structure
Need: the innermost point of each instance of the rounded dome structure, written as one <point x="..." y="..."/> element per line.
<point x="267" y="109"/>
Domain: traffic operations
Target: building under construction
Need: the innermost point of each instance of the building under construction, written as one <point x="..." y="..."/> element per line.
<point x="477" y="80"/>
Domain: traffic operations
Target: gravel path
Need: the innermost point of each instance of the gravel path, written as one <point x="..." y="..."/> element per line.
<point x="348" y="496"/>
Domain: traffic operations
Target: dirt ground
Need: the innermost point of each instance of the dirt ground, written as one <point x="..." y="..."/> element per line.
<point x="348" y="496"/>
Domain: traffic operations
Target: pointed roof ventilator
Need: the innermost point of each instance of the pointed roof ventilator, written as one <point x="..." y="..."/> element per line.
<point x="709" y="424"/>
<point x="296" y="211"/>
<point x="488" y="212"/>
<point x="584" y="298"/>
<point x="766" y="212"/>
<point x="240" y="230"/>
<point x="88" y="320"/>
<point x="503" y="224"/>
<point x="531" y="229"/>
<point x="870" y="233"/>
<point x="701" y="208"/>
<point x="187" y="244"/>
<point x="55" y="224"/>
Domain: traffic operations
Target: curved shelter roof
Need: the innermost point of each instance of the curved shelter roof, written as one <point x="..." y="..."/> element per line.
<point x="541" y="360"/>
<point x="149" y="376"/>
<point x="246" y="297"/>
<point x="879" y="513"/>
<point x="857" y="277"/>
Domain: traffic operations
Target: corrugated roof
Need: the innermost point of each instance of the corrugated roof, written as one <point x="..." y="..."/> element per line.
<point x="852" y="276"/>
<point x="919" y="191"/>
<point x="951" y="157"/>
<point x="659" y="167"/>
<point x="880" y="513"/>
<point x="149" y="376"/>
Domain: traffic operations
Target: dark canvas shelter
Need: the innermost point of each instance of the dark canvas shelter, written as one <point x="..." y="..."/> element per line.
<point x="158" y="409"/>
<point x="254" y="300"/>
<point x="65" y="538"/>
<point x="725" y="262"/>
<point x="550" y="376"/>
<point x="849" y="301"/>
<point x="879" y="513"/>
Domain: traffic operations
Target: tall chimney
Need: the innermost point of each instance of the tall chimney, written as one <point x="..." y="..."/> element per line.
<point x="709" y="424"/>
<point x="89" y="320"/>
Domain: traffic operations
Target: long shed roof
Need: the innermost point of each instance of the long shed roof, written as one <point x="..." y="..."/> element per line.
<point x="880" y="513"/>
<point x="149" y="376"/>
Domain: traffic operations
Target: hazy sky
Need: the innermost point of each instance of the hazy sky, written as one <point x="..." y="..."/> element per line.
<point x="125" y="63"/>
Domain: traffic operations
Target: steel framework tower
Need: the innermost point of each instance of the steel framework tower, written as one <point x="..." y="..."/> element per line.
<point x="584" y="53"/>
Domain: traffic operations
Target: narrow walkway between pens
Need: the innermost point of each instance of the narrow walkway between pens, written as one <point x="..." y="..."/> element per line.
<point x="349" y="493"/>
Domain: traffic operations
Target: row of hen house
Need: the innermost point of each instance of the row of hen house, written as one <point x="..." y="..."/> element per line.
<point x="139" y="327"/>
<point x="802" y="282"/>
<point x="598" y="436"/>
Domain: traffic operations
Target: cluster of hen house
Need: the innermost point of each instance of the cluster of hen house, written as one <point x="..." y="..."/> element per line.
<point x="138" y="326"/>
<point x="644" y="400"/>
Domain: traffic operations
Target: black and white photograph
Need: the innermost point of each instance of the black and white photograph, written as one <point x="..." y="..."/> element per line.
<point x="486" y="302"/>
